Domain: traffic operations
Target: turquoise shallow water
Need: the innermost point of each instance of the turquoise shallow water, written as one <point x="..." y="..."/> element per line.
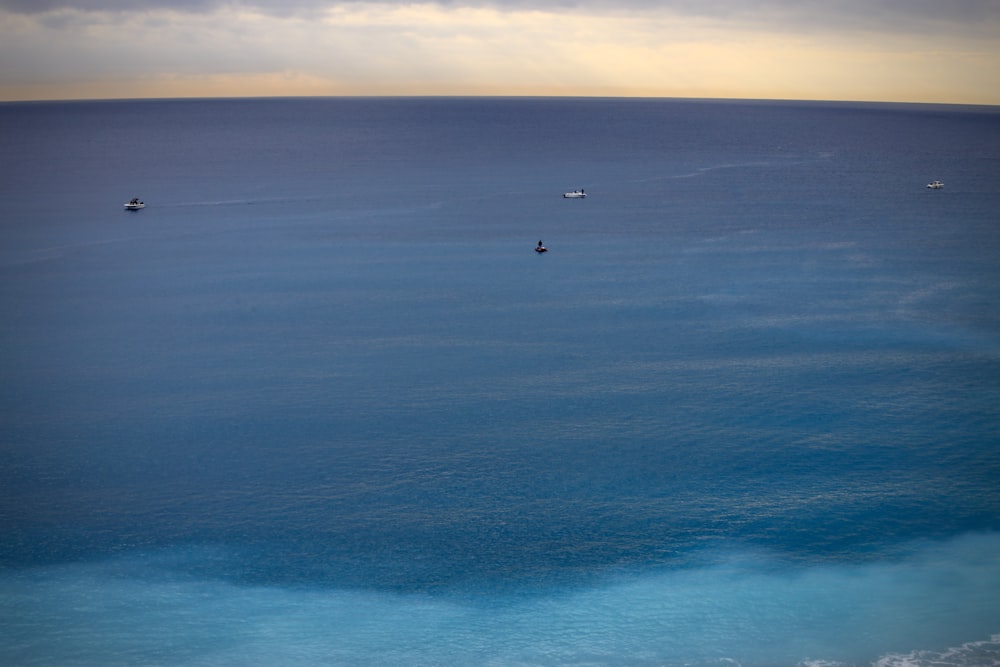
<point x="320" y="402"/>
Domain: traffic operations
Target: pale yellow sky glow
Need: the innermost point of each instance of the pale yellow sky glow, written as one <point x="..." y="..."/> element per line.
<point x="428" y="49"/>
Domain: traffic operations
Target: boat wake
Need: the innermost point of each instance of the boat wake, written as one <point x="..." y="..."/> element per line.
<point x="755" y="164"/>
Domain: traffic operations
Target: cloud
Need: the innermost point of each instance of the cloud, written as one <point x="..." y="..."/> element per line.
<point x="883" y="49"/>
<point x="779" y="14"/>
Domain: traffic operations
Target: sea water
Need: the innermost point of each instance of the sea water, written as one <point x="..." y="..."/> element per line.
<point x="320" y="403"/>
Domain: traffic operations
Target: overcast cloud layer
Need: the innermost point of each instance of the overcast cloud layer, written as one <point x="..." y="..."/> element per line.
<point x="906" y="50"/>
<point x="898" y="14"/>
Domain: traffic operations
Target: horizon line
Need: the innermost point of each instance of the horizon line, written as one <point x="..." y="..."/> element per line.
<point x="496" y="96"/>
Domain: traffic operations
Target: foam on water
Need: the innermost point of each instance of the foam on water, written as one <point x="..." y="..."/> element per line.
<point x="984" y="653"/>
<point x="933" y="608"/>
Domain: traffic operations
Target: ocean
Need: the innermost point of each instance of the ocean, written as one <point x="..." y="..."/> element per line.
<point x="320" y="402"/>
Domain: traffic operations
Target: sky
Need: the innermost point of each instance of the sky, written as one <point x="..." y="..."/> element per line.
<point x="939" y="51"/>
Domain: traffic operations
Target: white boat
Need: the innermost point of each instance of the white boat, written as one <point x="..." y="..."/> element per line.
<point x="541" y="248"/>
<point x="576" y="194"/>
<point x="134" y="204"/>
<point x="935" y="185"/>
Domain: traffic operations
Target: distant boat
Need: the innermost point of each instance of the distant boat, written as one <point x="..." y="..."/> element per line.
<point x="134" y="204"/>
<point x="935" y="185"/>
<point x="576" y="194"/>
<point x="541" y="248"/>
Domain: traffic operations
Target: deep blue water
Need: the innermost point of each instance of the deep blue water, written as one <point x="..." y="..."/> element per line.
<point x="319" y="403"/>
